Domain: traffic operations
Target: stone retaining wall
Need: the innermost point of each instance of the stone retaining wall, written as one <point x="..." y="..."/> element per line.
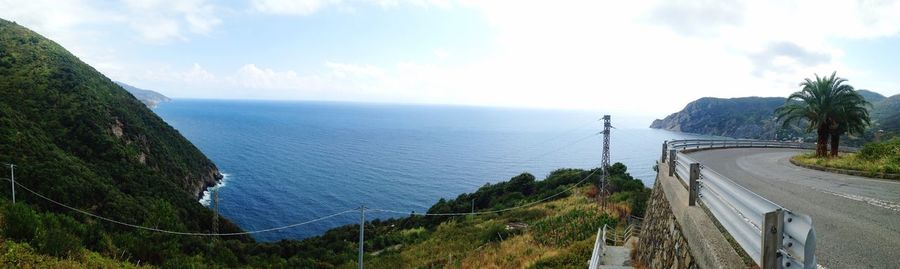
<point x="662" y="244"/>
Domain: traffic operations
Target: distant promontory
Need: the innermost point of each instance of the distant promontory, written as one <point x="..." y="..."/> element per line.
<point x="148" y="97"/>
<point x="754" y="117"/>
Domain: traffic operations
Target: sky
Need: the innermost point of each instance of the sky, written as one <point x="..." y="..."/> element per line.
<point x="646" y="58"/>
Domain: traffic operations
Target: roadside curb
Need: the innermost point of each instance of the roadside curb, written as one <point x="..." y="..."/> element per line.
<point x="847" y="172"/>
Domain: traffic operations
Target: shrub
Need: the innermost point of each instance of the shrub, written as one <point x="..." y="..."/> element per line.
<point x="496" y="232"/>
<point x="20" y="223"/>
<point x="57" y="242"/>
<point x="639" y="202"/>
<point x="619" y="197"/>
<point x="876" y="151"/>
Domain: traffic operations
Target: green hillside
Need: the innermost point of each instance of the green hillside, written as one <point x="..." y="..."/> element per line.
<point x="754" y="117"/>
<point x="887" y="113"/>
<point x="148" y="97"/>
<point x="872" y="97"/>
<point x="746" y="117"/>
<point x="78" y="137"/>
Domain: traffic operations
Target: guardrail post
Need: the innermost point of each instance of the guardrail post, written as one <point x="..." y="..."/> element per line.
<point x="772" y="235"/>
<point x="671" y="162"/>
<point x="694" y="186"/>
<point x="665" y="148"/>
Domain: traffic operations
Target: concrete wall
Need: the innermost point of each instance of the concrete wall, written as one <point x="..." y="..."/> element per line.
<point x="675" y="235"/>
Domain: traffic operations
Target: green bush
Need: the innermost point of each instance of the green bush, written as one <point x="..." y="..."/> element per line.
<point x="619" y="197"/>
<point x="496" y="232"/>
<point x="20" y="222"/>
<point x="875" y="151"/>
<point x="639" y="202"/>
<point x="57" y="242"/>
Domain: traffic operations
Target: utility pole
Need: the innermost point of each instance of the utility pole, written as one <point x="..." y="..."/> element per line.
<point x="12" y="180"/>
<point x="604" y="164"/>
<point x="473" y="206"/>
<point x="362" y="227"/>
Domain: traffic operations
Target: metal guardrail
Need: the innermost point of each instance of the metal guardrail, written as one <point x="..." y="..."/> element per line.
<point x="743" y="143"/>
<point x="599" y="243"/>
<point x="772" y="235"/>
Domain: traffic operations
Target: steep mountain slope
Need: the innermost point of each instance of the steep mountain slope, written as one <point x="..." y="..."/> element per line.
<point x="84" y="141"/>
<point x="148" y="97"/>
<point x="747" y="117"/>
<point x="887" y="113"/>
<point x="872" y="97"/>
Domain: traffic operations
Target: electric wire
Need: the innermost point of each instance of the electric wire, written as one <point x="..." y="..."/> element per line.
<point x="178" y="232"/>
<point x="593" y="172"/>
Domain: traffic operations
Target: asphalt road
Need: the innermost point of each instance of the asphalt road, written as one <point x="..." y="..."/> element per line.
<point x="857" y="220"/>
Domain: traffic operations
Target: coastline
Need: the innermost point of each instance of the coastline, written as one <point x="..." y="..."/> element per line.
<point x="205" y="196"/>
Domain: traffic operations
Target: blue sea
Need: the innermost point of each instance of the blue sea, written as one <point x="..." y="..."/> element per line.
<point x="289" y="162"/>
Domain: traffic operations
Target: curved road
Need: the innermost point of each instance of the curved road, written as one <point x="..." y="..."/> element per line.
<point x="857" y="220"/>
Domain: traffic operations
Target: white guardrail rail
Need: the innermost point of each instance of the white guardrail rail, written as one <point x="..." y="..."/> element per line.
<point x="773" y="236"/>
<point x="599" y="243"/>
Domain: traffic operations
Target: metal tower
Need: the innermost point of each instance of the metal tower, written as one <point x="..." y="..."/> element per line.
<point x="215" y="223"/>
<point x="605" y="161"/>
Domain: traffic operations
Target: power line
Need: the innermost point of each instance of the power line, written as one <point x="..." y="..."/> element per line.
<point x="317" y="219"/>
<point x="342" y="212"/>
<point x="177" y="232"/>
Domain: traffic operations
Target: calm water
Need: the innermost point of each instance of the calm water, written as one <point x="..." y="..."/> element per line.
<point x="289" y="162"/>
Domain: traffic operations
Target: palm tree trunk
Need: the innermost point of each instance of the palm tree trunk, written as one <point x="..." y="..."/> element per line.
<point x="835" y="143"/>
<point x="822" y="142"/>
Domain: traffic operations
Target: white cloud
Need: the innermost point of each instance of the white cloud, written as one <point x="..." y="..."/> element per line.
<point x="153" y="20"/>
<point x="441" y="54"/>
<point x="251" y="76"/>
<point x="163" y="21"/>
<point x="197" y="74"/>
<point x="309" y="7"/>
<point x="291" y="7"/>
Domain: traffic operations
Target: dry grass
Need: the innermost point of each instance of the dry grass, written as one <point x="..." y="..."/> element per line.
<point x="850" y="161"/>
<point x="459" y="244"/>
<point x="517" y="252"/>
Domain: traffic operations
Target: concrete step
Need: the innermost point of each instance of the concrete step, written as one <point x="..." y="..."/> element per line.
<point x="616" y="256"/>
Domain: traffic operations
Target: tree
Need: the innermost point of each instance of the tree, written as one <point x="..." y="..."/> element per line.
<point x="828" y="106"/>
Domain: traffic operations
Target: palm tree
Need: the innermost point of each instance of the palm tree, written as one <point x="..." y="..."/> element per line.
<point x="852" y="117"/>
<point x="829" y="107"/>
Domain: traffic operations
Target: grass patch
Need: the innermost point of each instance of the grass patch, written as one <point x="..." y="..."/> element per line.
<point x="873" y="158"/>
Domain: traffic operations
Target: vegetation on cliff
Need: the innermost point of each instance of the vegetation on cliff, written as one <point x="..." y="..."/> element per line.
<point x="558" y="233"/>
<point x="746" y="117"/>
<point x="84" y="141"/>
